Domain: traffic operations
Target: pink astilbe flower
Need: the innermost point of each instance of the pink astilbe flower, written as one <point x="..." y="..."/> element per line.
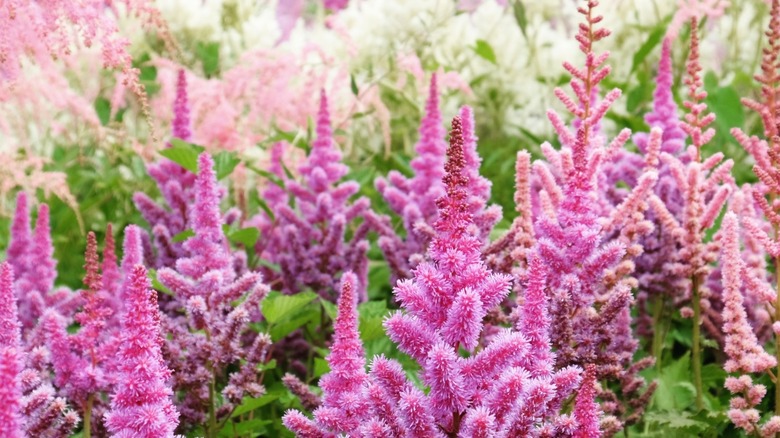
<point x="414" y="199"/>
<point x="472" y="393"/>
<point x="31" y="254"/>
<point x="586" y="411"/>
<point x="586" y="232"/>
<point x="313" y="249"/>
<point x="211" y="337"/>
<point x="741" y="346"/>
<point x="10" y="358"/>
<point x="141" y="404"/>
<point x="736" y="273"/>
<point x="176" y="185"/>
<point x="29" y="406"/>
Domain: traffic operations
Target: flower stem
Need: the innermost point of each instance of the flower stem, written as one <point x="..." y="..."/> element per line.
<point x="658" y="332"/>
<point x="777" y="338"/>
<point x="87" y="432"/>
<point x="696" y="301"/>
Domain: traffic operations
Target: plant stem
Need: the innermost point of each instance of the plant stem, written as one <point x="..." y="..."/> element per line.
<point x="658" y="331"/>
<point x="777" y="338"/>
<point x="695" y="299"/>
<point x="212" y="430"/>
<point x="87" y="432"/>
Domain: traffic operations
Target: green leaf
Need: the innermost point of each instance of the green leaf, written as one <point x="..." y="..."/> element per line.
<point x="277" y="307"/>
<point x="224" y="163"/>
<point x="321" y="367"/>
<point x="264" y="205"/>
<point x="184" y="154"/>
<point x="485" y="51"/>
<point x="249" y="404"/>
<point x="372" y="314"/>
<point x="184" y="235"/>
<point x="287" y="326"/>
<point x="270" y="365"/>
<point x="103" y="110"/>
<point x="156" y="283"/>
<point x="353" y="85"/>
<point x="268" y="175"/>
<point x="254" y="427"/>
<point x="649" y="44"/>
<point x="208" y="54"/>
<point x="518" y="8"/>
<point x="674" y="391"/>
<point x="245" y="236"/>
<point x="330" y="309"/>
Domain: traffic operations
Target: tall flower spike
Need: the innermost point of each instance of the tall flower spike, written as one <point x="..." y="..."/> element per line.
<point x="664" y="113"/>
<point x="745" y="355"/>
<point x="141" y="404"/>
<point x="21" y="235"/>
<point x="347" y="363"/>
<point x="10" y="357"/>
<point x="478" y="189"/>
<point x="414" y="199"/>
<point x="482" y="392"/>
<point x="586" y="411"/>
<point x="310" y="241"/>
<point x="44" y="267"/>
<point x="181" y="108"/>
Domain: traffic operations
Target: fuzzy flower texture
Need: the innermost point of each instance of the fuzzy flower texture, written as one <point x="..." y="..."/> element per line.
<point x="507" y="388"/>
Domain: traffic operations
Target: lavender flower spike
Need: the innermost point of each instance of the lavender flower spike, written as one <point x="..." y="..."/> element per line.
<point x="141" y="404"/>
<point x="10" y="357"/>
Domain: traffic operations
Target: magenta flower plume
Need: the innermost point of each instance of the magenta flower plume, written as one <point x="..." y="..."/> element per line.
<point x="31" y="252"/>
<point x="586" y="410"/>
<point x="21" y="235"/>
<point x="181" y="109"/>
<point x="176" y="185"/>
<point x="340" y="409"/>
<point x="485" y="217"/>
<point x="414" y="199"/>
<point x="484" y="393"/>
<point x="312" y="250"/>
<point x="10" y="357"/>
<point x="214" y="335"/>
<point x="664" y="113"/>
<point x="141" y="405"/>
<point x="586" y="233"/>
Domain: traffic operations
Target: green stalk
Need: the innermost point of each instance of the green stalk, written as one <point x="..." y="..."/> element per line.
<point x="777" y="338"/>
<point x="658" y="332"/>
<point x="87" y="432"/>
<point x="695" y="298"/>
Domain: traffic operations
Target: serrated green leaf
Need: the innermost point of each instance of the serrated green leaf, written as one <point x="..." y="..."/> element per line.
<point x="288" y="325"/>
<point x="249" y="404"/>
<point x="277" y="307"/>
<point x="372" y="314"/>
<point x="184" y="154"/>
<point x="245" y="236"/>
<point x="321" y="367"/>
<point x="184" y="235"/>
<point x="224" y="163"/>
<point x="485" y="51"/>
